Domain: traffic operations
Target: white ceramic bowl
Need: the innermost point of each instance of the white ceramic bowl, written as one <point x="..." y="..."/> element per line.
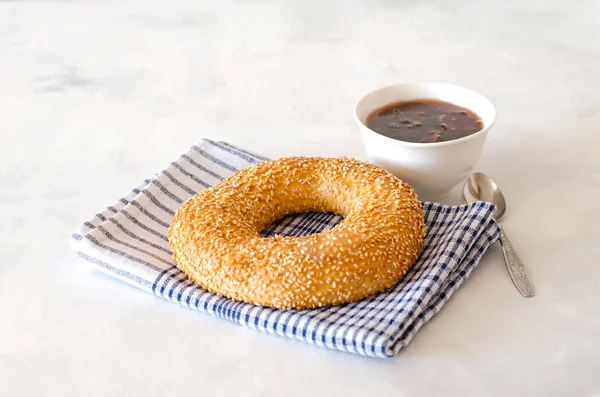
<point x="432" y="169"/>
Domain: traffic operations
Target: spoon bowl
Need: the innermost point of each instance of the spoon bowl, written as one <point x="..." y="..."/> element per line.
<point x="480" y="187"/>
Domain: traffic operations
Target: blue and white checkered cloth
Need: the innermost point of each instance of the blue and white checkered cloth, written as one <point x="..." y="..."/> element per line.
<point x="128" y="241"/>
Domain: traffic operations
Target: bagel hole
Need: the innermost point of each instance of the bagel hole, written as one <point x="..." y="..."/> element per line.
<point x="303" y="224"/>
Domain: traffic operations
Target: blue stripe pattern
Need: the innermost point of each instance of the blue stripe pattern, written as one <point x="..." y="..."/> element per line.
<point x="128" y="240"/>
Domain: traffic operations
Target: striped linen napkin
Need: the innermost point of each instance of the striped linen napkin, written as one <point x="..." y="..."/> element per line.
<point x="128" y="241"/>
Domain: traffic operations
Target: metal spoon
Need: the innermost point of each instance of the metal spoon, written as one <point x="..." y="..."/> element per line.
<point x="480" y="187"/>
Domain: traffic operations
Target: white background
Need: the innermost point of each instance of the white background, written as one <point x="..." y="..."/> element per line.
<point x="95" y="96"/>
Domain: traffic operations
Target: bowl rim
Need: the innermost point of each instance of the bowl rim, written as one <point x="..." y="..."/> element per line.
<point x="424" y="144"/>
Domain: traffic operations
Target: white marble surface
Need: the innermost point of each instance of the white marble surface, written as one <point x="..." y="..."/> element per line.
<point x="95" y="96"/>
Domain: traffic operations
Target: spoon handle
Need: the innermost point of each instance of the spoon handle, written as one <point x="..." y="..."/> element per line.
<point x="516" y="269"/>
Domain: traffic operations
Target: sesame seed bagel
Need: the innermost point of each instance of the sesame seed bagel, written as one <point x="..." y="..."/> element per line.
<point x="215" y="235"/>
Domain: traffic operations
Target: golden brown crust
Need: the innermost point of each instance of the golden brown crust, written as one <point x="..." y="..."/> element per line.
<point x="215" y="234"/>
